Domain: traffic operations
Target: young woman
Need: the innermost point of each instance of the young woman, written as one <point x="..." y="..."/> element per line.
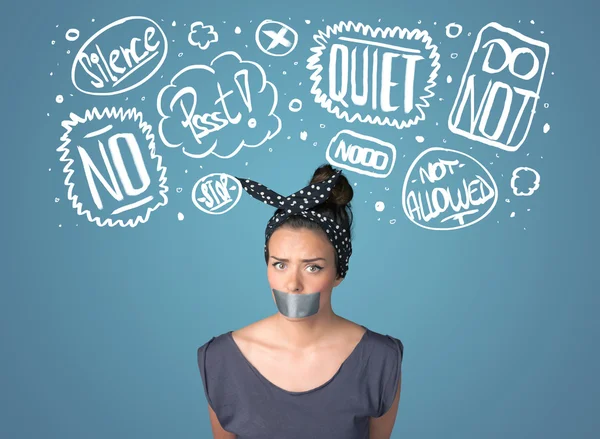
<point x="303" y="372"/>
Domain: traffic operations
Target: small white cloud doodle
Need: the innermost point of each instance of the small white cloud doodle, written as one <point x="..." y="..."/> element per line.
<point x="216" y="193"/>
<point x="99" y="175"/>
<point x="524" y="176"/>
<point x="202" y="102"/>
<point x="202" y="35"/>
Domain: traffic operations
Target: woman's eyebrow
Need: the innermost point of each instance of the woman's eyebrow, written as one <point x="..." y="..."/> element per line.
<point x="303" y="260"/>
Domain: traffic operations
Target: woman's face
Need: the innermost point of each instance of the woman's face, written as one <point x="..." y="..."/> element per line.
<point x="302" y="261"/>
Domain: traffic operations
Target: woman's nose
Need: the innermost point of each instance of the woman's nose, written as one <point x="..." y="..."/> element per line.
<point x="294" y="284"/>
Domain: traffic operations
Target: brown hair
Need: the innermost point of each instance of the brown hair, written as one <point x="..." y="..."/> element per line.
<point x="336" y="207"/>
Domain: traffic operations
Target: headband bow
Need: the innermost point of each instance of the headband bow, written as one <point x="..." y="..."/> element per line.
<point x="302" y="203"/>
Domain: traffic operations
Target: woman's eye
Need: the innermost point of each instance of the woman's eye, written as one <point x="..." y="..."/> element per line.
<point x="311" y="267"/>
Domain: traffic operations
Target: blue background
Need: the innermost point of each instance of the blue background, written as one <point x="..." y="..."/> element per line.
<point x="100" y="325"/>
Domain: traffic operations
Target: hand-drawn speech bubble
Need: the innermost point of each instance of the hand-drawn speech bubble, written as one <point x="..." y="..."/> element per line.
<point x="227" y="105"/>
<point x="362" y="154"/>
<point x="119" y="57"/>
<point x="444" y="187"/>
<point x="500" y="88"/>
<point x="379" y="76"/>
<point x="114" y="175"/>
<point x="216" y="193"/>
<point x="518" y="174"/>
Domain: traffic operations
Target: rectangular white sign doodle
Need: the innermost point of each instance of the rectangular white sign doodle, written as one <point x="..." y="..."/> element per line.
<point x="500" y="88"/>
<point x="362" y="154"/>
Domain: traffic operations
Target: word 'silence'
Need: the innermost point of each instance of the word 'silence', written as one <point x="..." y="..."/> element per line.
<point x="102" y="67"/>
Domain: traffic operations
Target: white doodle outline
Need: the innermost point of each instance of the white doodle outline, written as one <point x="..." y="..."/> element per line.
<point x="515" y="176"/>
<point x="323" y="99"/>
<point x="283" y="25"/>
<point x="457" y="26"/>
<point x="476" y="46"/>
<point x="104" y="29"/>
<point x="295" y="109"/>
<point x="72" y="34"/>
<point x="266" y="82"/>
<point x="211" y="30"/>
<point x="233" y="204"/>
<point x="409" y="173"/>
<point x="368" y="139"/>
<point x="146" y="129"/>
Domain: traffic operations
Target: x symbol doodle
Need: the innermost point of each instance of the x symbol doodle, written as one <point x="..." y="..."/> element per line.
<point x="277" y="38"/>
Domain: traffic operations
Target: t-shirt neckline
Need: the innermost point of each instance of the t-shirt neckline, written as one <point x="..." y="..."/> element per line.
<point x="302" y="392"/>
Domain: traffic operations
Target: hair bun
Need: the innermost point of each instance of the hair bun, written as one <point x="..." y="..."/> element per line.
<point x="342" y="193"/>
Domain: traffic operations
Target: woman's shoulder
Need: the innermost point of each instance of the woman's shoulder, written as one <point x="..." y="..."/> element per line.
<point x="251" y="333"/>
<point x="262" y="334"/>
<point x="386" y="344"/>
<point x="214" y="343"/>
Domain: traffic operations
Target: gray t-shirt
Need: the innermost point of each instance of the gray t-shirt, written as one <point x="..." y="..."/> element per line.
<point x="252" y="407"/>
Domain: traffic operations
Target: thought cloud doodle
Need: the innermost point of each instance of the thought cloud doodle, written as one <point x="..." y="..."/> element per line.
<point x="114" y="175"/>
<point x="497" y="97"/>
<point x="216" y="193"/>
<point x="381" y="76"/>
<point x="279" y="38"/>
<point x="202" y="35"/>
<point x="447" y="190"/>
<point x="119" y="57"/>
<point x="362" y="154"/>
<point x="524" y="181"/>
<point x="229" y="99"/>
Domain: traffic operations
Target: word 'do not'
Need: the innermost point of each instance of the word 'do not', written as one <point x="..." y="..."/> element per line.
<point x="114" y="175"/>
<point x="379" y="76"/>
<point x="119" y="57"/>
<point x="362" y="154"/>
<point x="500" y="88"/>
<point x="216" y="193"/>
<point x="446" y="190"/>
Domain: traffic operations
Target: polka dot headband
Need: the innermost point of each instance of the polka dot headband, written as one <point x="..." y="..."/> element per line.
<point x="301" y="203"/>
